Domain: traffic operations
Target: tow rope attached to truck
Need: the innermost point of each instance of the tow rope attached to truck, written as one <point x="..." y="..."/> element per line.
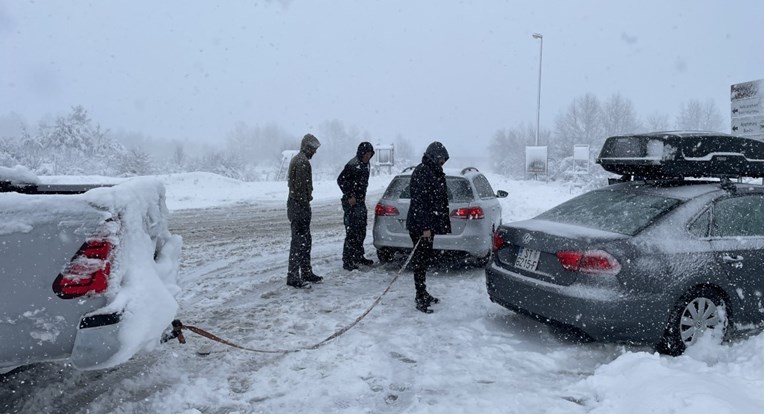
<point x="179" y="327"/>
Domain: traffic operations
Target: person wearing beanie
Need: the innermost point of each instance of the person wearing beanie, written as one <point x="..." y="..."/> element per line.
<point x="428" y="216"/>
<point x="300" y="182"/>
<point x="353" y="182"/>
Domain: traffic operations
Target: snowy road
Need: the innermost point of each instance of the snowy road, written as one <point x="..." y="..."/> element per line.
<point x="469" y="356"/>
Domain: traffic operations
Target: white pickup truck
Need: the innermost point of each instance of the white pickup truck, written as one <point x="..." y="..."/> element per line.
<point x="87" y="272"/>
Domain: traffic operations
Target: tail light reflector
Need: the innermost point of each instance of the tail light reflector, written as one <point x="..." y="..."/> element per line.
<point x="593" y="262"/>
<point x="383" y="210"/>
<point x="87" y="272"/>
<point x="470" y="213"/>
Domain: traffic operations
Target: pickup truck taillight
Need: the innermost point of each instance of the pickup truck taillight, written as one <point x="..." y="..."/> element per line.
<point x="87" y="272"/>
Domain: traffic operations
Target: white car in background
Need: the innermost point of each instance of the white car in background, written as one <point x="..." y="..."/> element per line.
<point x="474" y="210"/>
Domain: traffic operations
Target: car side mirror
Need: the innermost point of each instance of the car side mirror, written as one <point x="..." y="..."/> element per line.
<point x="502" y="194"/>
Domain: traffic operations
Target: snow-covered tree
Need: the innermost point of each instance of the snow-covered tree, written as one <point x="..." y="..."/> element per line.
<point x="135" y="161"/>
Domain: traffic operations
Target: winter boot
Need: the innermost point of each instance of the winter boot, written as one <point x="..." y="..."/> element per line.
<point x="365" y="262"/>
<point x="297" y="283"/>
<point x="431" y="299"/>
<point x="422" y="303"/>
<point x="313" y="278"/>
<point x="350" y="266"/>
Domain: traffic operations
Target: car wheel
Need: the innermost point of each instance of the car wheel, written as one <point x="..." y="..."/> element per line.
<point x="385" y="254"/>
<point x="698" y="310"/>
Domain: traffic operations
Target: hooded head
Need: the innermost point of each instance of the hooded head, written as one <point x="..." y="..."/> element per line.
<point x="436" y="152"/>
<point x="309" y="145"/>
<point x="364" y="147"/>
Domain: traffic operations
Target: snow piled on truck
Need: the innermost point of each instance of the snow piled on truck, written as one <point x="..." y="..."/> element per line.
<point x="142" y="287"/>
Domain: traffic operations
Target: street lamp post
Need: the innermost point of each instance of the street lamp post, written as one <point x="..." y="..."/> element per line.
<point x="539" y="84"/>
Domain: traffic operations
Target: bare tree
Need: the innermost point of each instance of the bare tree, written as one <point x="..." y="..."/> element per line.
<point x="618" y="116"/>
<point x="657" y="122"/>
<point x="404" y="152"/>
<point x="699" y="116"/>
<point x="179" y="155"/>
<point x="507" y="150"/>
<point x="338" y="143"/>
<point x="11" y="125"/>
<point x="580" y="124"/>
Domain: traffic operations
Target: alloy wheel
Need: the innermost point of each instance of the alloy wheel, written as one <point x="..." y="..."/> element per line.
<point x="699" y="315"/>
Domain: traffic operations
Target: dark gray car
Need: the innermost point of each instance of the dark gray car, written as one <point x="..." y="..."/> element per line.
<point x="651" y="263"/>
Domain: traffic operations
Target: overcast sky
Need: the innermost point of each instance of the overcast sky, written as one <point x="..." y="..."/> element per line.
<point x="455" y="71"/>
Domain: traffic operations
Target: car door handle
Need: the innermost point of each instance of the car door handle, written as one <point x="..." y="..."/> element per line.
<point x="731" y="259"/>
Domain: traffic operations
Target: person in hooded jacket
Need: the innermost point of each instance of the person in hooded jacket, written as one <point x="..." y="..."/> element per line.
<point x="300" y="181"/>
<point x="428" y="216"/>
<point x="353" y="182"/>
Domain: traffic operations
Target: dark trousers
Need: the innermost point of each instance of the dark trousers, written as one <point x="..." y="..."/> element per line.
<point x="422" y="257"/>
<point x="355" y="220"/>
<point x="300" y="247"/>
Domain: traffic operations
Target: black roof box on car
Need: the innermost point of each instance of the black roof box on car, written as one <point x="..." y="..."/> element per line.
<point x="680" y="154"/>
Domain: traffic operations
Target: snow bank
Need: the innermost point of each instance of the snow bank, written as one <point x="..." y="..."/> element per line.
<point x="708" y="378"/>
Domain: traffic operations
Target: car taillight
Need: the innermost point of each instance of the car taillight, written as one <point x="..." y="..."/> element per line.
<point x="594" y="262"/>
<point x="87" y="272"/>
<point x="383" y="210"/>
<point x="468" y="213"/>
<point x="498" y="241"/>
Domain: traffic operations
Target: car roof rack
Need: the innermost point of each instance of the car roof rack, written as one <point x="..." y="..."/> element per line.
<point x="726" y="181"/>
<point x="409" y="168"/>
<point x="466" y="169"/>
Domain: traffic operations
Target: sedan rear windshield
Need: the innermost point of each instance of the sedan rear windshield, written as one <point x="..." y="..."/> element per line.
<point x="614" y="211"/>
<point x="458" y="189"/>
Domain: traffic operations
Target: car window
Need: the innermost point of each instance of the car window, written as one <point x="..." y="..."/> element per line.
<point x="458" y="189"/>
<point x="615" y="211"/>
<point x="700" y="226"/>
<point x="396" y="187"/>
<point x="738" y="216"/>
<point x="483" y="187"/>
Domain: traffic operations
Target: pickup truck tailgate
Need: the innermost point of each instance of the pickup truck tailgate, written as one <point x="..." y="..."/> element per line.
<point x="39" y="235"/>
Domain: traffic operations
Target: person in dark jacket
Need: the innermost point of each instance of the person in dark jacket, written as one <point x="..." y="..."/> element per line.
<point x="428" y="216"/>
<point x="353" y="182"/>
<point x="300" y="181"/>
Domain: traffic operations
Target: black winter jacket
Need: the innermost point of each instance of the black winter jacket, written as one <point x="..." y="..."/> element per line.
<point x="429" y="207"/>
<point x="354" y="180"/>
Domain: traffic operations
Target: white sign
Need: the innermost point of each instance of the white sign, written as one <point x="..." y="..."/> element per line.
<point x="746" y="90"/>
<point x="536" y="160"/>
<point x="384" y="155"/>
<point x="581" y="158"/>
<point x="747" y="126"/>
<point x="746" y="109"/>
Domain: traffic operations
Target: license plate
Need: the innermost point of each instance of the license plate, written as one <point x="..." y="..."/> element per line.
<point x="527" y="259"/>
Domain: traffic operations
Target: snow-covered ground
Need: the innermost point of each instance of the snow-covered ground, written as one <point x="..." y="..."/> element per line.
<point x="470" y="356"/>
